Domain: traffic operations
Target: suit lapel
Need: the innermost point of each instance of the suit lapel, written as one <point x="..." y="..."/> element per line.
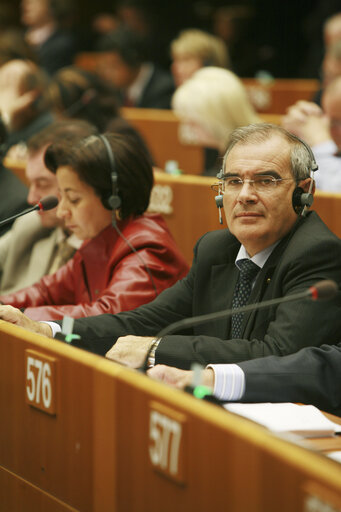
<point x="261" y="285"/>
<point x="223" y="281"/>
<point x="262" y="282"/>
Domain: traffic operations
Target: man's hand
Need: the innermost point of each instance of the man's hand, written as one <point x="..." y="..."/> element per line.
<point x="130" y="350"/>
<point x="307" y="120"/>
<point x="15" y="316"/>
<point x="180" y="378"/>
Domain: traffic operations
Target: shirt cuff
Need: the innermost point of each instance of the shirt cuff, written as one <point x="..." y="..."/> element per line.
<point x="55" y="327"/>
<point x="229" y="381"/>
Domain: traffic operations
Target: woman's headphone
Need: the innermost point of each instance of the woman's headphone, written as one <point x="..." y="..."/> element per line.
<point x="113" y="202"/>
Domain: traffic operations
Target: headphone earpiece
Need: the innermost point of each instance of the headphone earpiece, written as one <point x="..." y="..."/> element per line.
<point x="300" y="199"/>
<point x="219" y="202"/>
<point x="112" y="201"/>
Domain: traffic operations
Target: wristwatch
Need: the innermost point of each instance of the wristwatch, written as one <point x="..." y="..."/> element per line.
<point x="152" y="350"/>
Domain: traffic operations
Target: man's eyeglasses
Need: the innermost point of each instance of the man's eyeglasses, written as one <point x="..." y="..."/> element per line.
<point x="261" y="183"/>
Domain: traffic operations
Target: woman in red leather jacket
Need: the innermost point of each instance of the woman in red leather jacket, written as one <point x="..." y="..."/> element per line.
<point x="127" y="257"/>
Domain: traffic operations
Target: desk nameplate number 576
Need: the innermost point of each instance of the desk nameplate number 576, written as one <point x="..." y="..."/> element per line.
<point x="40" y="382"/>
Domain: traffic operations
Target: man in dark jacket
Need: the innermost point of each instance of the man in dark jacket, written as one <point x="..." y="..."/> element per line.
<point x="139" y="82"/>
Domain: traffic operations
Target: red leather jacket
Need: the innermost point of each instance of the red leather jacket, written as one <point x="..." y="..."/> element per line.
<point x="105" y="276"/>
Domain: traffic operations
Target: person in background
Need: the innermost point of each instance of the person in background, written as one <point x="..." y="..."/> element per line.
<point x="48" y="33"/>
<point x="210" y="105"/>
<point x="194" y="49"/>
<point x="14" y="46"/>
<point x="321" y="129"/>
<point x="123" y="63"/>
<point x="24" y="104"/>
<point x="24" y="111"/>
<point x="78" y="94"/>
<point x="38" y="244"/>
<point x="127" y="257"/>
<point x="331" y="68"/>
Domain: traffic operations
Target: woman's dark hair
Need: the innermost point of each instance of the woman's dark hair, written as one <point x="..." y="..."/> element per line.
<point x="90" y="160"/>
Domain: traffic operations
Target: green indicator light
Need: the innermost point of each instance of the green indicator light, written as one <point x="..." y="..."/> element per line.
<point x="201" y="391"/>
<point x="70" y="337"/>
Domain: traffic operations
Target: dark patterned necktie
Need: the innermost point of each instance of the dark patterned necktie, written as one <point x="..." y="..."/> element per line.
<point x="248" y="272"/>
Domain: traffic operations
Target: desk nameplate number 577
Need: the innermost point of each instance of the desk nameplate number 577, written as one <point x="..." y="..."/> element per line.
<point x="40" y="382"/>
<point x="167" y="441"/>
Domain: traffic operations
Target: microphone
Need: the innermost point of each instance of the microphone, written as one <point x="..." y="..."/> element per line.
<point x="47" y="203"/>
<point x="322" y="290"/>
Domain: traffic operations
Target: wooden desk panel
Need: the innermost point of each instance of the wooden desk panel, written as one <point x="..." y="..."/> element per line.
<point x="53" y="453"/>
<point x="159" y="128"/>
<point x="95" y="452"/>
<point x="232" y="463"/>
<point x="276" y="96"/>
<point x="188" y="206"/>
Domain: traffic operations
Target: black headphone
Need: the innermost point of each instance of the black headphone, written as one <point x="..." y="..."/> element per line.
<point x="113" y="201"/>
<point x="300" y="200"/>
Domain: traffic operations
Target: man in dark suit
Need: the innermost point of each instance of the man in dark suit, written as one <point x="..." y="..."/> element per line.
<point x="125" y="65"/>
<point x="289" y="252"/>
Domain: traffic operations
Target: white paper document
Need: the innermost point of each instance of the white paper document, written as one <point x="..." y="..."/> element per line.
<point x="335" y="455"/>
<point x="303" y="420"/>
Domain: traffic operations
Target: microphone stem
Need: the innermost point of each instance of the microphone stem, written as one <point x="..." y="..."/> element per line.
<point x="197" y="320"/>
<point x="29" y="210"/>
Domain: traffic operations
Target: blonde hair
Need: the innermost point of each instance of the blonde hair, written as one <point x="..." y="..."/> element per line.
<point x="211" y="50"/>
<point x="332" y="28"/>
<point x="215" y="99"/>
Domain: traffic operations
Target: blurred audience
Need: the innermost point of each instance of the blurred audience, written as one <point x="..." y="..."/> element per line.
<point x="24" y="106"/>
<point x="14" y="46"/>
<point x="194" y="49"/>
<point x="48" y="32"/>
<point x="128" y="256"/>
<point x="38" y="244"/>
<point x="331" y="67"/>
<point x="23" y="112"/>
<point x="332" y="29"/>
<point x="233" y="25"/>
<point x="78" y="94"/>
<point x="321" y="129"/>
<point x="123" y="64"/>
<point x="210" y="105"/>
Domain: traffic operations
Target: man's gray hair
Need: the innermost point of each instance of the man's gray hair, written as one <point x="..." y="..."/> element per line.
<point x="301" y="157"/>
